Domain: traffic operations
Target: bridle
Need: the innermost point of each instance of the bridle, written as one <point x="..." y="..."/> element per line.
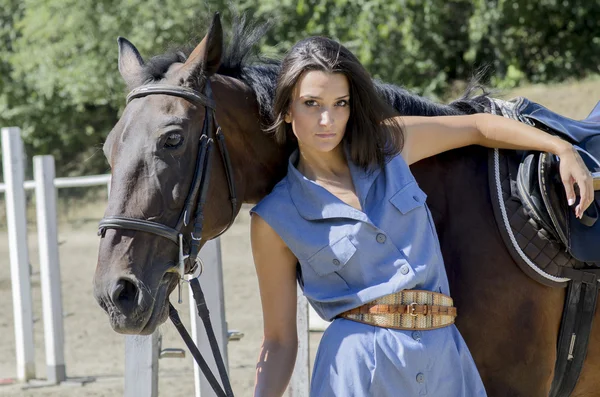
<point x="197" y="195"/>
<point x="199" y="188"/>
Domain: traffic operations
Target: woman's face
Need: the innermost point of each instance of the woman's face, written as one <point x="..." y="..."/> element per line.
<point x="319" y="110"/>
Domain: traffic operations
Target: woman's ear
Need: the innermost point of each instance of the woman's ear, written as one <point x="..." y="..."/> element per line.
<point x="287" y="118"/>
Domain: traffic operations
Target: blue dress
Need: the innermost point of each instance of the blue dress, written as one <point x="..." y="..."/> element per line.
<point x="349" y="257"/>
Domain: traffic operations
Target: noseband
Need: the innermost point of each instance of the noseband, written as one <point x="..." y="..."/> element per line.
<point x="197" y="194"/>
<point x="199" y="187"/>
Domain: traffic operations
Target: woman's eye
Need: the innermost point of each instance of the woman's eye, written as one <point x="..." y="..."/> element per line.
<point x="173" y="141"/>
<point x="310" y="103"/>
<point x="343" y="103"/>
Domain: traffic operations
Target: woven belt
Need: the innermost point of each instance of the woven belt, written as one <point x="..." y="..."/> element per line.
<point x="407" y="310"/>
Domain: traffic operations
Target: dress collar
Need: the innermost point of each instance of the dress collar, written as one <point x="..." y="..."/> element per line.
<point x="314" y="202"/>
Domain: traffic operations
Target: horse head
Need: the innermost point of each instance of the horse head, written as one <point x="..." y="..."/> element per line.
<point x="154" y="152"/>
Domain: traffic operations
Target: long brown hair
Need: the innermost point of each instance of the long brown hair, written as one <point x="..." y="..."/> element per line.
<point x="370" y="140"/>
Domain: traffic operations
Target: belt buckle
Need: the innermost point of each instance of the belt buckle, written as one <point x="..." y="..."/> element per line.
<point x="412" y="308"/>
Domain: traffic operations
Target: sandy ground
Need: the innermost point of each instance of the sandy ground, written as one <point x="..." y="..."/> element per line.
<point x="91" y="346"/>
<point x="93" y="349"/>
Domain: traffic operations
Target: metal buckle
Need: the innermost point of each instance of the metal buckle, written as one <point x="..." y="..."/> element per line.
<point x="412" y="308"/>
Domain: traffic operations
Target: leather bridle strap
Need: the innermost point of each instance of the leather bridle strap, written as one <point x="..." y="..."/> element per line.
<point x="176" y="320"/>
<point x="120" y="222"/>
<point x="183" y="92"/>
<point x="204" y="314"/>
<point x="230" y="182"/>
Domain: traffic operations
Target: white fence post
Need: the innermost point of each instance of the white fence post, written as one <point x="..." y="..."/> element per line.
<point x="141" y="365"/>
<point x="211" y="282"/>
<point x="45" y="199"/>
<point x="12" y="160"/>
<point x="299" y="384"/>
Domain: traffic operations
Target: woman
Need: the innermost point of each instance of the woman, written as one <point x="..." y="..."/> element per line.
<point x="350" y="213"/>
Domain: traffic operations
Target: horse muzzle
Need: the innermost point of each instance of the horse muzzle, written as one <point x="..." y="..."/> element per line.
<point x="134" y="307"/>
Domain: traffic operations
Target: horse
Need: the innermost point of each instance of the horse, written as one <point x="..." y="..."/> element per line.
<point x="510" y="322"/>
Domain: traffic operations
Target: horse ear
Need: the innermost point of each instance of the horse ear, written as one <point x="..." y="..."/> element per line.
<point x="206" y="57"/>
<point x="130" y="63"/>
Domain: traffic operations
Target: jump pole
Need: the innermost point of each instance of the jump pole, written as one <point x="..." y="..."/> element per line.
<point x="141" y="365"/>
<point x="299" y="385"/>
<point x="12" y="161"/>
<point x="45" y="197"/>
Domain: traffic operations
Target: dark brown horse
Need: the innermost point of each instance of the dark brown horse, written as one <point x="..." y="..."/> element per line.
<point x="509" y="321"/>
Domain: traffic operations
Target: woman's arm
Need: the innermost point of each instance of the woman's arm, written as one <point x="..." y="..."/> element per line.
<point x="276" y="271"/>
<point x="428" y="136"/>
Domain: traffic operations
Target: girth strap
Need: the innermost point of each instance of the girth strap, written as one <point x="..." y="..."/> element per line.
<point x="576" y="324"/>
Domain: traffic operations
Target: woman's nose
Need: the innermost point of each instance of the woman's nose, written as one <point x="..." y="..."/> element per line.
<point x="326" y="119"/>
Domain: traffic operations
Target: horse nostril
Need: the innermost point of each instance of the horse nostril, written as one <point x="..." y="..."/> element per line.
<point x="124" y="296"/>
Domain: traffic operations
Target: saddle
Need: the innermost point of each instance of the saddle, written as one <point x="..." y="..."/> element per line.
<point x="539" y="228"/>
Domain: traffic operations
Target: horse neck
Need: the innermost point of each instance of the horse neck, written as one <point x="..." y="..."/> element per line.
<point x="408" y="104"/>
<point x="258" y="161"/>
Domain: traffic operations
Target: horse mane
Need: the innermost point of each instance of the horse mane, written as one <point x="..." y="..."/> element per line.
<point x="260" y="74"/>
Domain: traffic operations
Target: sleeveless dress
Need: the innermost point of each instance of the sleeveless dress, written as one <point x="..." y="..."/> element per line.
<point x="349" y="257"/>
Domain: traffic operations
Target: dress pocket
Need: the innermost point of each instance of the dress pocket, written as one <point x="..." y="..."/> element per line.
<point x="408" y="198"/>
<point x="332" y="257"/>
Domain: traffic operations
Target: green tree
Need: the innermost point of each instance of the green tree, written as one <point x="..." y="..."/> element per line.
<point x="58" y="58"/>
<point x="418" y="44"/>
<point x="541" y="41"/>
<point x="60" y="81"/>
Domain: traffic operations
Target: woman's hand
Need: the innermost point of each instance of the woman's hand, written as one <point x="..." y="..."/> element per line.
<point x="573" y="170"/>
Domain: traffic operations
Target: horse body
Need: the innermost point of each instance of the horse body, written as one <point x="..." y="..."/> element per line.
<point x="509" y="321"/>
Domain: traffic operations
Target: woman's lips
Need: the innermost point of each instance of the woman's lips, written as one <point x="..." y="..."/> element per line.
<point x="326" y="135"/>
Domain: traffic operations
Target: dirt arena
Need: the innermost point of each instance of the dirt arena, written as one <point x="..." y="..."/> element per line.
<point x="92" y="349"/>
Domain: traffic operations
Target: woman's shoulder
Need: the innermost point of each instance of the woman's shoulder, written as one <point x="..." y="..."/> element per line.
<point x="276" y="198"/>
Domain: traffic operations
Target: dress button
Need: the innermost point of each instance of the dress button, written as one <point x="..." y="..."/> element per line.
<point x="420" y="378"/>
<point x="416" y="335"/>
<point x="381" y="238"/>
<point x="336" y="262"/>
<point x="404" y="269"/>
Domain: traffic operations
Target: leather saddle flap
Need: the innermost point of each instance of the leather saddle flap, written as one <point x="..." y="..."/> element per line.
<point x="528" y="189"/>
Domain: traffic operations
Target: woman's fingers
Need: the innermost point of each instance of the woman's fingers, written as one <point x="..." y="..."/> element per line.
<point x="569" y="184"/>
<point x="586" y="187"/>
<point x="576" y="172"/>
<point x="586" y="192"/>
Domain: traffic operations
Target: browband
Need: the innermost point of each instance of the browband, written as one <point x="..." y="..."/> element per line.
<point x="182" y="92"/>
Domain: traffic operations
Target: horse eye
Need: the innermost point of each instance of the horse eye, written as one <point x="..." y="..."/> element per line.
<point x="173" y="141"/>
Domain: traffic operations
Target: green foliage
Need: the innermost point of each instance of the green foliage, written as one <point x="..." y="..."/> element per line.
<point x="58" y="58"/>
<point x="414" y="43"/>
<point x="60" y="81"/>
<point x="539" y="41"/>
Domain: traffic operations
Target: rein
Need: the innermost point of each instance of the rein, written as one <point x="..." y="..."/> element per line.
<point x="196" y="195"/>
